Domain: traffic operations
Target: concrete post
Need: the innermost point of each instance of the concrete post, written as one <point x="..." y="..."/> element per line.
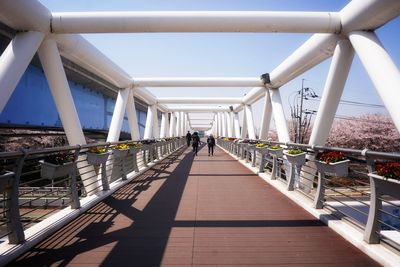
<point x="172" y="125"/>
<point x="132" y="119"/>
<point x="148" y="130"/>
<point x="250" y="122"/>
<point x="236" y="124"/>
<point x="279" y="115"/>
<point x="266" y="117"/>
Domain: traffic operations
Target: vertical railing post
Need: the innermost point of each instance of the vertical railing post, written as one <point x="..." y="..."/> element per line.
<point x="75" y="203"/>
<point x="319" y="195"/>
<point x="14" y="226"/>
<point x="371" y="235"/>
<point x="274" y="167"/>
<point x="104" y="179"/>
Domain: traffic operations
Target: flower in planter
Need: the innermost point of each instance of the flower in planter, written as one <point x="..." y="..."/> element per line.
<point x="120" y="146"/>
<point x="260" y="145"/>
<point x="98" y="150"/>
<point x="275" y="147"/>
<point x="331" y="157"/>
<point x="135" y="145"/>
<point x="59" y="158"/>
<point x="388" y="170"/>
<point x="294" y="151"/>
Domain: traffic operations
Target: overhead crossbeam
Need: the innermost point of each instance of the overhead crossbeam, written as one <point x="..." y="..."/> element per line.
<point x="199" y="100"/>
<point x="197" y="82"/>
<point x="195" y="21"/>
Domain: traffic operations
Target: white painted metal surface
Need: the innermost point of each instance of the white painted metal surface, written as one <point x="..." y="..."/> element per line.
<point x="279" y="116"/>
<point x="118" y="115"/>
<point x="236" y="124"/>
<point x="197" y="82"/>
<point x="59" y="88"/>
<point x="250" y="122"/>
<point x="132" y="119"/>
<point x="14" y="61"/>
<point x="383" y="72"/>
<point x="25" y="15"/>
<point x="199" y="100"/>
<point x="368" y="14"/>
<point x="332" y="93"/>
<point x="195" y="21"/>
<point x="172" y="125"/>
<point x="55" y="75"/>
<point x="149" y="123"/>
<point x="266" y="117"/>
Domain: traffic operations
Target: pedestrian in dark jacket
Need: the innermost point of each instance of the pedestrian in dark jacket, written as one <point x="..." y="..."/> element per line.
<point x="211" y="144"/>
<point x="188" y="138"/>
<point x="195" y="142"/>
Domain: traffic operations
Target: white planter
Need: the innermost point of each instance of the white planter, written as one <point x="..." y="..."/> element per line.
<point x="52" y="171"/>
<point x="339" y="168"/>
<point x="296" y="159"/>
<point x="134" y="150"/>
<point x="97" y="158"/>
<point x="277" y="152"/>
<point x="6" y="180"/>
<point x="120" y="153"/>
<point x="262" y="150"/>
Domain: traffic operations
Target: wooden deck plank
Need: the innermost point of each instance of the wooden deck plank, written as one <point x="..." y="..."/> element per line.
<point x="196" y="211"/>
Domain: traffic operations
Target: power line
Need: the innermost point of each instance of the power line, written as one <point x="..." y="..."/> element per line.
<point x="354" y="103"/>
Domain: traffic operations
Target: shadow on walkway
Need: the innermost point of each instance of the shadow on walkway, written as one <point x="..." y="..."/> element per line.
<point x="146" y="236"/>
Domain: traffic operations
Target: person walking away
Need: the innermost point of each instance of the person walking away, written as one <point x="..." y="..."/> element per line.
<point x="195" y="142"/>
<point x="188" y="138"/>
<point x="211" y="144"/>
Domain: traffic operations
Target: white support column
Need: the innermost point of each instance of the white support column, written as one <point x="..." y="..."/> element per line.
<point x="220" y="125"/>
<point x="164" y="122"/>
<point x="250" y="122"/>
<point x="279" y="115"/>
<point x="118" y="115"/>
<point x="132" y="119"/>
<point x="380" y="68"/>
<point x="167" y="133"/>
<point x="178" y="123"/>
<point x="54" y="71"/>
<point x="149" y="123"/>
<point x="172" y="125"/>
<point x="244" y="125"/>
<point x="266" y="117"/>
<point x="231" y="130"/>
<point x="185" y="122"/>
<point x="223" y="119"/>
<point x="228" y="124"/>
<point x="215" y="125"/>
<point x="236" y="124"/>
<point x="156" y="128"/>
<point x="182" y="130"/>
<point x="338" y="72"/>
<point x="14" y="61"/>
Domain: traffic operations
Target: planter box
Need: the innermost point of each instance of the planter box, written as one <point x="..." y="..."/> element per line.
<point x="97" y="158"/>
<point x="277" y="152"/>
<point x="339" y="168"/>
<point x="120" y="153"/>
<point x="134" y="150"/>
<point x="6" y="180"/>
<point x="296" y="159"/>
<point x="262" y="150"/>
<point x="51" y="171"/>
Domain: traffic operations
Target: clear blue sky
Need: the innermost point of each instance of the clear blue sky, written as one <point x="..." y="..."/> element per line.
<point x="227" y="54"/>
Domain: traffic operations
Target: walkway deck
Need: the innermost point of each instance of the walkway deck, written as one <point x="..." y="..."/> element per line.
<point x="196" y="211"/>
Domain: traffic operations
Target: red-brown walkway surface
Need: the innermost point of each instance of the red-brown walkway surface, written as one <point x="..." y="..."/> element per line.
<point x="196" y="211"/>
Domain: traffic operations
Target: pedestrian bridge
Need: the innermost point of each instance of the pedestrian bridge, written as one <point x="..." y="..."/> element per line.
<point x="162" y="205"/>
<point x="148" y="200"/>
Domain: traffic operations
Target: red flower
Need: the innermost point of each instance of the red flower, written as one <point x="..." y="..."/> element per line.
<point x="331" y="157"/>
<point x="388" y="169"/>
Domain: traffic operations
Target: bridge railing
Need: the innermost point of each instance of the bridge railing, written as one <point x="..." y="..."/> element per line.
<point x="351" y="189"/>
<point x="36" y="184"/>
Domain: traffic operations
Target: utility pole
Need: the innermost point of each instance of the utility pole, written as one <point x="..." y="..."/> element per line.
<point x="301" y="111"/>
